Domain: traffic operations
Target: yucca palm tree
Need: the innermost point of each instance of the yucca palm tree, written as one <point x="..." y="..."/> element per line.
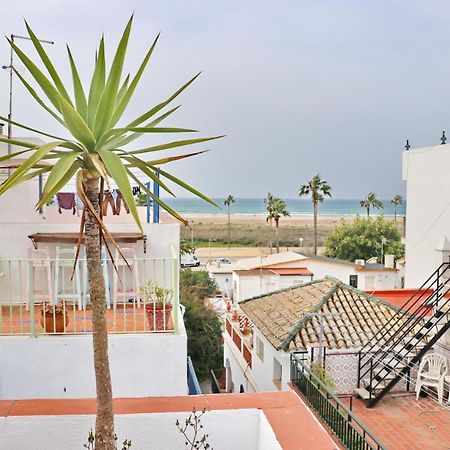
<point x="228" y="202"/>
<point x="396" y="201"/>
<point x="94" y="154"/>
<point x="268" y="202"/>
<point x="279" y="210"/>
<point x="317" y="189"/>
<point x="371" y="201"/>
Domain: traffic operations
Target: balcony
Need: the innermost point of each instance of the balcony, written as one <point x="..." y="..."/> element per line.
<point x="28" y="287"/>
<point x="239" y="331"/>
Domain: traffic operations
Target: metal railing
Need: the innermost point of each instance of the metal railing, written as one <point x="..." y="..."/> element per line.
<point x="38" y="296"/>
<point x="397" y="346"/>
<point x="350" y="431"/>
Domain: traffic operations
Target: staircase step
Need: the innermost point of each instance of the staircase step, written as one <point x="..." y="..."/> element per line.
<point x="362" y="393"/>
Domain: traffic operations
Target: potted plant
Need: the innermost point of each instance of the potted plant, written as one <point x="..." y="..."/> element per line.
<point x="54" y="318"/>
<point x="158" y="307"/>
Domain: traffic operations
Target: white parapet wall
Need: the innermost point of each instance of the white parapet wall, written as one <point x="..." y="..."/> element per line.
<point x="142" y="364"/>
<point x="246" y="429"/>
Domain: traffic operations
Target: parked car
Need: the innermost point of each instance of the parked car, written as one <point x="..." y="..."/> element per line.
<point x="223" y="261"/>
<point x="189" y="260"/>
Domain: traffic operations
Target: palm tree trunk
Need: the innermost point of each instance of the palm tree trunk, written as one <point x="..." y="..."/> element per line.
<point x="368" y="211"/>
<point x="276" y="236"/>
<point x="395" y="213"/>
<point x="104" y="424"/>
<point x="270" y="234"/>
<point x="229" y="227"/>
<point x="315" y="227"/>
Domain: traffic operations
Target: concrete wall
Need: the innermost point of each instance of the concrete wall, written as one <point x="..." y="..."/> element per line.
<point x="426" y="171"/>
<point x="147" y="364"/>
<point x="263" y="370"/>
<point x="247" y="429"/>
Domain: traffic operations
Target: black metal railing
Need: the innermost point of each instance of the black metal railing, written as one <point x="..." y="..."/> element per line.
<point x="350" y="431"/>
<point x="397" y="346"/>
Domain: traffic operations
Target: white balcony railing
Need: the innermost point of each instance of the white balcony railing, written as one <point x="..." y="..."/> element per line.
<point x="31" y="287"/>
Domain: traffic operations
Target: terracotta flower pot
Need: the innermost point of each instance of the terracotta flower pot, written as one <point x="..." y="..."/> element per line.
<point x="158" y="316"/>
<point x="56" y="325"/>
<point x="228" y="306"/>
<point x="235" y="316"/>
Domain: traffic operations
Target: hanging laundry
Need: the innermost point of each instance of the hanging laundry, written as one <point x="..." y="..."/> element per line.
<point x="66" y="200"/>
<point x="108" y="200"/>
<point x="119" y="201"/>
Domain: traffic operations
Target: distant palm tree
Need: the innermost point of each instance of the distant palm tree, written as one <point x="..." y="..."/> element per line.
<point x="318" y="189"/>
<point x="268" y="201"/>
<point x="371" y="201"/>
<point x="396" y="201"/>
<point x="278" y="210"/>
<point x="228" y="202"/>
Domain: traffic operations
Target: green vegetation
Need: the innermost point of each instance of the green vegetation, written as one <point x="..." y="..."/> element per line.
<point x="317" y="189"/>
<point x="203" y="326"/>
<point x="255" y="234"/>
<point x="363" y="238"/>
<point x="371" y="201"/>
<point x="396" y="201"/>
<point x="95" y="151"/>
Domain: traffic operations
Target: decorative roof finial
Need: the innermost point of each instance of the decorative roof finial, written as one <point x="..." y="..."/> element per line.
<point x="443" y="138"/>
<point x="407" y="146"/>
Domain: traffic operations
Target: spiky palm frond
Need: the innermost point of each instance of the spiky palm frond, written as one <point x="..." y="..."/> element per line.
<point x="95" y="146"/>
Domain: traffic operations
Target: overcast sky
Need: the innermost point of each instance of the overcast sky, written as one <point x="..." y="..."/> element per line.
<point x="299" y="87"/>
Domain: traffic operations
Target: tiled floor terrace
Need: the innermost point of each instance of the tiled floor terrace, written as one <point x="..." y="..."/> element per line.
<point x="124" y="318"/>
<point x="402" y="423"/>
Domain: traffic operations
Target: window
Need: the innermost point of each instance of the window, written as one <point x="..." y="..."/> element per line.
<point x="260" y="349"/>
<point x="353" y="281"/>
<point x="277" y="373"/>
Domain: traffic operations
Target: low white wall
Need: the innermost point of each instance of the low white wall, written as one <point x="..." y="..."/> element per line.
<point x="150" y="364"/>
<point x="228" y="430"/>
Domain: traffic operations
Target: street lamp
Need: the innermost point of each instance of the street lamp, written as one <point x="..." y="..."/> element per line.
<point x="11" y="68"/>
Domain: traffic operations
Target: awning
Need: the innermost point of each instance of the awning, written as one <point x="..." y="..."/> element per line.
<point x="72" y="238"/>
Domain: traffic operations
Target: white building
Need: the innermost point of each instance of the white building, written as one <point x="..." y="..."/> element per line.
<point x="36" y="363"/>
<point x="426" y="172"/>
<point x="288" y="321"/>
<point x="257" y="276"/>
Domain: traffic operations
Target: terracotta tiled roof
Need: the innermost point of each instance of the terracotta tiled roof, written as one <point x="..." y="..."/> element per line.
<point x="282" y="317"/>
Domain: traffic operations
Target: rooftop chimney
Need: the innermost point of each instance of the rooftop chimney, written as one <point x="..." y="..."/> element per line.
<point x="1" y="128"/>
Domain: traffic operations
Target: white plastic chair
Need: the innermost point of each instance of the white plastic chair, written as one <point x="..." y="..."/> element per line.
<point x="432" y="371"/>
<point x="133" y="292"/>
<point x="39" y="259"/>
<point x="65" y="258"/>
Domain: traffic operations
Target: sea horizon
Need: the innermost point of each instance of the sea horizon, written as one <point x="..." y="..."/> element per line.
<point x="296" y="207"/>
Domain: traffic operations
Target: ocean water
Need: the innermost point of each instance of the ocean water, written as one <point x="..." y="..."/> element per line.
<point x="296" y="206"/>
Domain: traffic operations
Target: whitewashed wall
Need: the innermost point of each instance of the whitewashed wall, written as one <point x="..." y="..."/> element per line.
<point x="426" y="172"/>
<point x="62" y="366"/>
<point x="262" y="371"/>
<point x="238" y="372"/>
<point x="250" y="430"/>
